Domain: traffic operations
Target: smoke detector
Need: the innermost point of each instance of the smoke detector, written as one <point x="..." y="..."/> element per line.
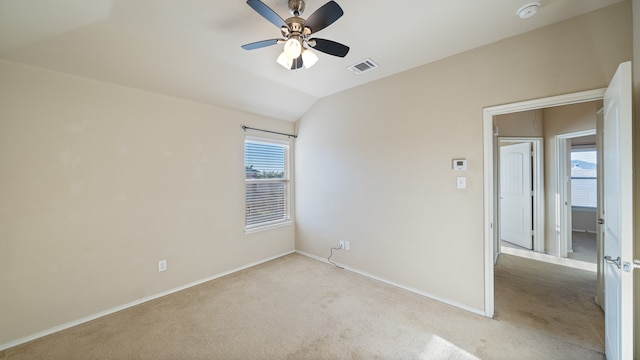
<point x="528" y="10"/>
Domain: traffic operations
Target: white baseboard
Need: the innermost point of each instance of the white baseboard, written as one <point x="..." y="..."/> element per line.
<point x="85" y="319"/>
<point x="583" y="230"/>
<point x="413" y="290"/>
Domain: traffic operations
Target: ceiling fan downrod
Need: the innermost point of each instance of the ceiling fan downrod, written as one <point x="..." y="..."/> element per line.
<point x="296" y="7"/>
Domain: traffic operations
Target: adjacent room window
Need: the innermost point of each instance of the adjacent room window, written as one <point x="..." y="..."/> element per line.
<point x="266" y="168"/>
<point x="584" y="183"/>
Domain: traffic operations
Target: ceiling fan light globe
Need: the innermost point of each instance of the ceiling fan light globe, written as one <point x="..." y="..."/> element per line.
<point x="309" y="58"/>
<point x="285" y="61"/>
<point x="293" y="48"/>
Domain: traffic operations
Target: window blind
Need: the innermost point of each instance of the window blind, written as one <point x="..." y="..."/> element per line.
<point x="584" y="192"/>
<point x="584" y="182"/>
<point x="266" y="183"/>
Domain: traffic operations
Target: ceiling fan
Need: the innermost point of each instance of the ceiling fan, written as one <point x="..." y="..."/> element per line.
<point x="297" y="32"/>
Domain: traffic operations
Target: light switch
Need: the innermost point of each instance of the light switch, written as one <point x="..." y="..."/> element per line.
<point x="461" y="182"/>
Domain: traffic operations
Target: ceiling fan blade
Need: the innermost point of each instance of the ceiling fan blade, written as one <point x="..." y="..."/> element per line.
<point x="260" y="44"/>
<point x="267" y="13"/>
<point x="326" y="15"/>
<point x="330" y="47"/>
<point x="297" y="63"/>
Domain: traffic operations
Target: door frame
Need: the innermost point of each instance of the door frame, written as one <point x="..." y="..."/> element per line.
<point x="599" y="299"/>
<point x="538" y="188"/>
<point x="564" y="227"/>
<point x="490" y="239"/>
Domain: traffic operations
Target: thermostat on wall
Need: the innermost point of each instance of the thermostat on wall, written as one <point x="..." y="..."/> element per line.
<point x="459" y="165"/>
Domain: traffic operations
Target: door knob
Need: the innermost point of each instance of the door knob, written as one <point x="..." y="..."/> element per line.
<point x="600" y="221"/>
<point x="617" y="262"/>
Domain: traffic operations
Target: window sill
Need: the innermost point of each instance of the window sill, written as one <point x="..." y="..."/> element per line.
<point x="583" y="209"/>
<point x="267" y="227"/>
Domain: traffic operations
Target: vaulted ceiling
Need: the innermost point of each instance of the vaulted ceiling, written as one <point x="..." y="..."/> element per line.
<point x="191" y="48"/>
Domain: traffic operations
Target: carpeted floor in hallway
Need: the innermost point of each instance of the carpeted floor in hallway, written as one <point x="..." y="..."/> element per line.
<point x="551" y="298"/>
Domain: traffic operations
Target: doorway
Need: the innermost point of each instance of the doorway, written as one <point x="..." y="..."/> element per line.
<point x="556" y="126"/>
<point x="492" y="240"/>
<point x="577" y="186"/>
<point x="618" y="210"/>
<point x="569" y="123"/>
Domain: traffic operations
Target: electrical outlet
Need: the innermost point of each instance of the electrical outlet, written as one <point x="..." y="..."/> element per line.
<point x="341" y="244"/>
<point x="347" y="245"/>
<point x="162" y="265"/>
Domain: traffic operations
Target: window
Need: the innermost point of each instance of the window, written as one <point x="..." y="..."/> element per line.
<point x="584" y="181"/>
<point x="267" y="182"/>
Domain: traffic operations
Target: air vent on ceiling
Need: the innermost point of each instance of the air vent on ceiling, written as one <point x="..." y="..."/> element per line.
<point x="363" y="66"/>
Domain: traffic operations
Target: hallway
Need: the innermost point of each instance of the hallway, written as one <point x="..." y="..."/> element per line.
<point x="550" y="298"/>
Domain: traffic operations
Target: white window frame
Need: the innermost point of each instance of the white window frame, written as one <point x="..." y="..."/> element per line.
<point x="286" y="180"/>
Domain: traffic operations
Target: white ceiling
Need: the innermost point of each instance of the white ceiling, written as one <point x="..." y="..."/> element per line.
<point x="191" y="48"/>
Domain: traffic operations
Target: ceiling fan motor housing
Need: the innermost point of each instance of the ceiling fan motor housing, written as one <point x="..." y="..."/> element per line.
<point x="295" y="27"/>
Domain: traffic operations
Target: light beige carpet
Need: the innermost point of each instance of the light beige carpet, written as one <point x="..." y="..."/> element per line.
<point x="584" y="247"/>
<point x="299" y="308"/>
<point x="552" y="298"/>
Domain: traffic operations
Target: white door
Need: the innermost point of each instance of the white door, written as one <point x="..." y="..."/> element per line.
<point x="618" y="216"/>
<point x="515" y="195"/>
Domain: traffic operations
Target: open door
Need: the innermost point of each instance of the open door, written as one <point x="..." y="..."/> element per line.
<point x="618" y="216"/>
<point x="516" y="212"/>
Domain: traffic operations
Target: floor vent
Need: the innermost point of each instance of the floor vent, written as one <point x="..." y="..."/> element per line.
<point x="363" y="66"/>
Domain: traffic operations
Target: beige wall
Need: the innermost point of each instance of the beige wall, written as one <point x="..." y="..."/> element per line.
<point x="374" y="162"/>
<point x="98" y="182"/>
<point x="561" y="120"/>
<point x="520" y="124"/>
